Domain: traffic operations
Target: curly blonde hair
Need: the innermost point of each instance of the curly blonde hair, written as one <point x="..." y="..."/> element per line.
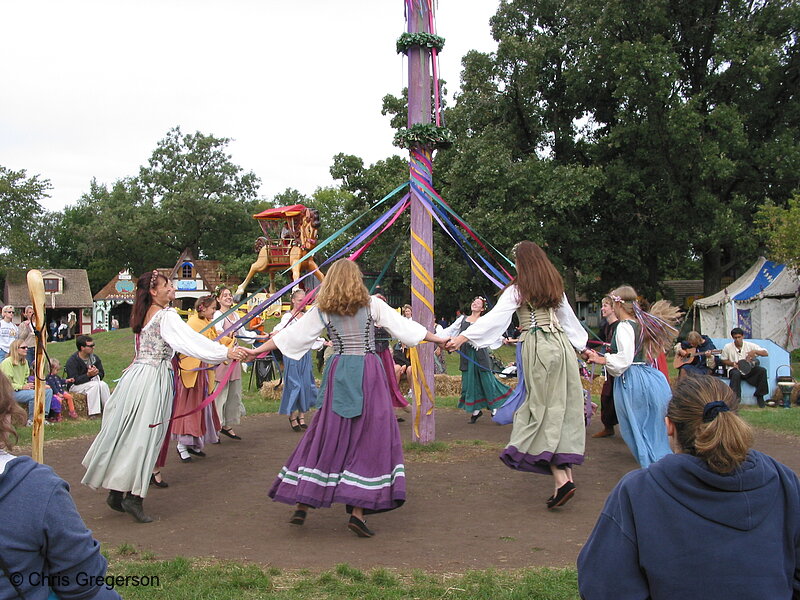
<point x="343" y="291"/>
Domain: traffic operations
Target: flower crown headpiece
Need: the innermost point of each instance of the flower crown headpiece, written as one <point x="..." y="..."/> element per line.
<point x="218" y="289"/>
<point x="154" y="278"/>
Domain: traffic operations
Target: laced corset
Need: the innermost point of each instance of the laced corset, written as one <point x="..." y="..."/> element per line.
<point x="351" y="335"/>
<point x="151" y="347"/>
<point x="541" y="318"/>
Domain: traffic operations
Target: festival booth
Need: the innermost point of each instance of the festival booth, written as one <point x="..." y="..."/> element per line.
<point x="765" y="303"/>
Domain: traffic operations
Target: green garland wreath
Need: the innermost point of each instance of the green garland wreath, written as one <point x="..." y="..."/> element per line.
<point x="422" y="39"/>
<point x="424" y="134"/>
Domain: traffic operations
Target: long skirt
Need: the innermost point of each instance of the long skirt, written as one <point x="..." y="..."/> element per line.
<point x="641" y="396"/>
<point x="355" y="461"/>
<point x="299" y="387"/>
<point x="398" y="400"/>
<point x="124" y="453"/>
<point x="199" y="428"/>
<point x="548" y="427"/>
<point x="479" y="387"/>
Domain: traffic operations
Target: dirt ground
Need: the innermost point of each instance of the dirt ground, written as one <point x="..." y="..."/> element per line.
<point x="465" y="509"/>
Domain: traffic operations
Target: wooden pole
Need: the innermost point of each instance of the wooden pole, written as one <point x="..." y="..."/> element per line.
<point x="422" y="294"/>
<point x="41" y="368"/>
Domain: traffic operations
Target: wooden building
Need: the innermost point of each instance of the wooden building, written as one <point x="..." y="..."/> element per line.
<point x="68" y="297"/>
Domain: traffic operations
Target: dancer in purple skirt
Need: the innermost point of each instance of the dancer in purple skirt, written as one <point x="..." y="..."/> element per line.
<point x="351" y="453"/>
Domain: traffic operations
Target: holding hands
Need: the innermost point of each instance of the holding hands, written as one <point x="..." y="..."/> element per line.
<point x="591" y="356"/>
<point x="238" y="353"/>
<point x="455" y="343"/>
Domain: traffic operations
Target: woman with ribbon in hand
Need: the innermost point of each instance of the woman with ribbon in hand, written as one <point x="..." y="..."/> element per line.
<point x="641" y="392"/>
<point x="716" y="519"/>
<point x="122" y="456"/>
<point x="351" y="453"/>
<point x="548" y="434"/>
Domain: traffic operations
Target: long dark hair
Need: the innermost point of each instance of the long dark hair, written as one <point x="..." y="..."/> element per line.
<point x="144" y="300"/>
<point x="538" y="281"/>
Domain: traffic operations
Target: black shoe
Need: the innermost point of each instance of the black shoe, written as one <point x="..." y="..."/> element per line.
<point x="194" y="452"/>
<point x="565" y="492"/>
<point x="183" y="458"/>
<point x="474" y="418"/>
<point x="114" y="500"/>
<point x="155" y="482"/>
<point x="760" y="401"/>
<point x="133" y="506"/>
<point x="227" y="432"/>
<point x="294" y="424"/>
<point x="359" y="527"/>
<point x="298" y="518"/>
<point x="302" y="422"/>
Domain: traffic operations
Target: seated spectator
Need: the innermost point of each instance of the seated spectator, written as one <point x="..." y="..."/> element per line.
<point x="46" y="535"/>
<point x="60" y="394"/>
<point x="740" y="358"/>
<point x="86" y="370"/>
<point x="694" y="355"/>
<point x="15" y="367"/>
<point x="8" y="331"/>
<point x="715" y="520"/>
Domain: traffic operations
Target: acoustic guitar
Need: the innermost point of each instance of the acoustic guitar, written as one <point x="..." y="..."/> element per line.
<point x="680" y="361"/>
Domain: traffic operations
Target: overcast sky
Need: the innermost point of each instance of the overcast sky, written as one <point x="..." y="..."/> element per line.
<point x="90" y="87"/>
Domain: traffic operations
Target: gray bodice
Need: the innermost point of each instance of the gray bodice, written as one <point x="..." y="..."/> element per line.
<point x="351" y="335"/>
<point x="152" y="349"/>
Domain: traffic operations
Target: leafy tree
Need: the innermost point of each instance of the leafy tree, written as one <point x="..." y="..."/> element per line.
<point x="781" y="228"/>
<point x="204" y="200"/>
<point x="20" y="197"/>
<point x="108" y="230"/>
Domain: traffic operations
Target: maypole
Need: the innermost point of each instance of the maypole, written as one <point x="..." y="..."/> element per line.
<point x="421" y="44"/>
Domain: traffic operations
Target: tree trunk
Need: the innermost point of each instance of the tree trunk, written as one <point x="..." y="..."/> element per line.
<point x="712" y="271"/>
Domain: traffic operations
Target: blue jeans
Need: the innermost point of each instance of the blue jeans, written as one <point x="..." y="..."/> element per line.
<point x="31" y="356"/>
<point x="3" y="355"/>
<point x="27" y="396"/>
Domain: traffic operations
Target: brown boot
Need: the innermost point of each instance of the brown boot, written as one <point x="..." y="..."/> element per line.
<point x="604" y="433"/>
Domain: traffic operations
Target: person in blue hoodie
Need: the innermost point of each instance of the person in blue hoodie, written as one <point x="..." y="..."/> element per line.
<point x="715" y="520"/>
<point x="46" y="550"/>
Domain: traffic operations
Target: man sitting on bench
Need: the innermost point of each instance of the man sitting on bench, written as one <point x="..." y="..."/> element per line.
<point x="740" y="357"/>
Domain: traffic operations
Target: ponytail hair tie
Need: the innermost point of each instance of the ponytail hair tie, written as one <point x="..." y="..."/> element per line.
<point x="712" y="409"/>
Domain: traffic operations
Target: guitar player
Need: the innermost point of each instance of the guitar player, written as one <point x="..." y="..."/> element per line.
<point x="694" y="355"/>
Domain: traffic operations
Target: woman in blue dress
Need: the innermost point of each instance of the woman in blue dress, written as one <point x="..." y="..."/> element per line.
<point x="641" y="392"/>
<point x="299" y="388"/>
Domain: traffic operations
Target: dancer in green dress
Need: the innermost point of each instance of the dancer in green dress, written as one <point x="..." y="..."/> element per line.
<point x="479" y="387"/>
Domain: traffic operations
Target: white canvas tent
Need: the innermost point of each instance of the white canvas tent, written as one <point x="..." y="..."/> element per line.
<point x="765" y="302"/>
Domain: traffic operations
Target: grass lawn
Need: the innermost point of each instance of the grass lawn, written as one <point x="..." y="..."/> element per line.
<point x="181" y="579"/>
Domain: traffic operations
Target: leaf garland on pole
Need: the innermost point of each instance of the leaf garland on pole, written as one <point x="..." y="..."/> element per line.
<point x="421" y="39"/>
<point x="425" y="135"/>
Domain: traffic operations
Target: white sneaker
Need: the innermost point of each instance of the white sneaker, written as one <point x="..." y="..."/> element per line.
<point x="29" y="423"/>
